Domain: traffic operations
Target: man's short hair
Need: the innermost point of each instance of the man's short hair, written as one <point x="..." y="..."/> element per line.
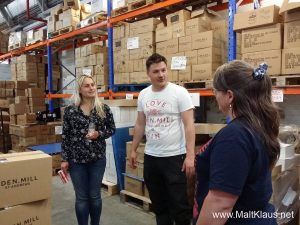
<point x="155" y="58"/>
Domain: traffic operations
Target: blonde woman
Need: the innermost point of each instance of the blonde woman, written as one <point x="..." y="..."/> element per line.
<point x="87" y="123"/>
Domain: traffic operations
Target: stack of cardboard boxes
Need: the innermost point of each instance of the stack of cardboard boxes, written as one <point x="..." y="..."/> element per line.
<point x="92" y="60"/>
<point x="66" y="17"/>
<point x="16" y="40"/>
<point x="3" y="42"/>
<point x="261" y="37"/>
<point x="133" y="44"/>
<point x="23" y="201"/>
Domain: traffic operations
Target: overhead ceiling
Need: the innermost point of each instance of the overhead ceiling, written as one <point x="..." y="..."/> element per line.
<point x="13" y="12"/>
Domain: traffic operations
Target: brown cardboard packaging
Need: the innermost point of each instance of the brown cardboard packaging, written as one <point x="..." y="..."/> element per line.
<point x="196" y="25"/>
<point x="27" y="141"/>
<point x="59" y="24"/>
<point x="38" y="108"/>
<point x="19" y="92"/>
<point x="178" y="30"/>
<point x="291" y="61"/>
<point x="120" y="44"/>
<point x="45" y="129"/>
<point x="4" y="103"/>
<point x="22" y="177"/>
<point x="203" y="71"/>
<point x="140" y="170"/>
<point x="185" y="44"/>
<point x="35" y="213"/>
<point x="140" y="151"/>
<point x="24" y="131"/>
<point x="34" y="93"/>
<point x="134" y="186"/>
<point x="121" y="78"/>
<point x="172" y="46"/>
<point x="164" y="34"/>
<point x="185" y="75"/>
<point x="173" y="75"/>
<point x="56" y="161"/>
<point x="191" y="57"/>
<point x="143" y="26"/>
<point x="129" y="170"/>
<point x="205" y="40"/>
<point x="262" y="38"/>
<point x="146" y="39"/>
<point x="139" y="78"/>
<point x="179" y="16"/>
<point x="161" y="47"/>
<point x="288" y="5"/>
<point x="36" y="101"/>
<point x="209" y="55"/>
<point x="74" y="4"/>
<point x="272" y="58"/>
<point x="9" y="84"/>
<point x="258" y="17"/>
<point x="15" y="109"/>
<point x="291" y="16"/>
<point x="26" y="119"/>
<point x="9" y="93"/>
<point x="292" y="34"/>
<point x="21" y="84"/>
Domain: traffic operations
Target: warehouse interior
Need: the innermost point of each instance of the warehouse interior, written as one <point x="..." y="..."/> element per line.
<point x="45" y="45"/>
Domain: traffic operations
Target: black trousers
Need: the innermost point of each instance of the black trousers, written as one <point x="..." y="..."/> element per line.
<point x="167" y="186"/>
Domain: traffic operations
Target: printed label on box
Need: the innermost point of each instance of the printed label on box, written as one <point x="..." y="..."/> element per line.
<point x="133" y="43"/>
<point x="277" y="95"/>
<point x="86" y="71"/>
<point x="178" y="63"/>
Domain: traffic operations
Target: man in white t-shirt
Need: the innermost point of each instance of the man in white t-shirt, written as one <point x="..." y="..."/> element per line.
<point x="165" y="116"/>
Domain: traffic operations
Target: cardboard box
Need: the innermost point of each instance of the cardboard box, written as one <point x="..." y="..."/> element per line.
<point x="164" y="34"/>
<point x="255" y="18"/>
<point x="178" y="30"/>
<point x="121" y="78"/>
<point x="203" y="71"/>
<point x="24" y="131"/>
<point x="22" y="177"/>
<point x="36" y="101"/>
<point x="74" y="4"/>
<point x="92" y="61"/>
<point x="196" y="25"/>
<point x="209" y="55"/>
<point x="291" y="16"/>
<point x="146" y="39"/>
<point x="272" y="58"/>
<point x="9" y="93"/>
<point x="37" y="213"/>
<point x="27" y="141"/>
<point x="140" y="151"/>
<point x="4" y="103"/>
<point x="16" y="109"/>
<point x="34" y="93"/>
<point x="19" y="92"/>
<point x="139" y="78"/>
<point x="9" y="84"/>
<point x="134" y="186"/>
<point x="21" y="99"/>
<point x="172" y="46"/>
<point x="120" y="44"/>
<point x="185" y="44"/>
<point x="292" y="34"/>
<point x="59" y="24"/>
<point x="129" y="170"/>
<point x="179" y="16"/>
<point x="161" y="48"/>
<point x="205" y="40"/>
<point x="28" y="118"/>
<point x="262" y="38"/>
<point x="143" y="26"/>
<point x="291" y="61"/>
<point x="288" y="5"/>
<point x="185" y="75"/>
<point x="173" y="75"/>
<point x="21" y="84"/>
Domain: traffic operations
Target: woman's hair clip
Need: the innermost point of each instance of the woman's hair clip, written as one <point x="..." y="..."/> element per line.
<point x="260" y="71"/>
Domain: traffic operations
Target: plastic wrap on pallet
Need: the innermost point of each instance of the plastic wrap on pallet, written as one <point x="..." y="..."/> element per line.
<point x="17" y="37"/>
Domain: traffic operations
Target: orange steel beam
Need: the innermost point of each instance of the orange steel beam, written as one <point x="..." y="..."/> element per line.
<point x="77" y="32"/>
<point x="123" y="94"/>
<point x="144" y="10"/>
<point x="290" y="90"/>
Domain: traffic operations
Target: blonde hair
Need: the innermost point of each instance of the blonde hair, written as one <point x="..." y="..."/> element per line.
<point x="77" y="98"/>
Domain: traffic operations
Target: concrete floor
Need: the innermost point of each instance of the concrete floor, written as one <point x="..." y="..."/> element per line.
<point x="113" y="211"/>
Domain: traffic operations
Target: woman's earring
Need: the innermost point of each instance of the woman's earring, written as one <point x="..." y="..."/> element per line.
<point x="230" y="106"/>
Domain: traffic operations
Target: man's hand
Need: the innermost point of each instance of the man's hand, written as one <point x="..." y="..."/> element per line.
<point x="189" y="166"/>
<point x="132" y="159"/>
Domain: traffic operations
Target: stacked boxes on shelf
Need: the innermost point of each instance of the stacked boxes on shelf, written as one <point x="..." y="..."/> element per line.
<point x="23" y="201"/>
<point x="92" y="60"/>
<point x="133" y="44"/>
<point x="3" y="42"/>
<point x="262" y="38"/>
<point x="16" y="40"/>
<point x="291" y="44"/>
<point x="34" y="36"/>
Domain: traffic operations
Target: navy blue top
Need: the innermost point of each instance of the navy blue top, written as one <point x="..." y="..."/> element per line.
<point x="236" y="162"/>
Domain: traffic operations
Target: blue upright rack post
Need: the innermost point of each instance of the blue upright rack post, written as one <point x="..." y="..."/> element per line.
<point x="50" y="101"/>
<point x="110" y="48"/>
<point x="231" y="33"/>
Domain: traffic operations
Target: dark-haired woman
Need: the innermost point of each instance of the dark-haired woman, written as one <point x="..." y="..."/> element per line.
<point x="234" y="183"/>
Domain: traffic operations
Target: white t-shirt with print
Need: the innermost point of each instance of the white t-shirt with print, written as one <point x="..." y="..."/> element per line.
<point x="164" y="127"/>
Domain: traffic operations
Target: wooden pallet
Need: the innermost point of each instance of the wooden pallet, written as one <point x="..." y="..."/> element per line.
<point x="95" y="18"/>
<point x="61" y="31"/>
<point x="119" y="11"/>
<point x="196" y="84"/>
<point x="16" y="46"/>
<point x="32" y="42"/>
<point x="289" y="80"/>
<point x="139" y="4"/>
<point x="111" y="188"/>
<point x="135" y="200"/>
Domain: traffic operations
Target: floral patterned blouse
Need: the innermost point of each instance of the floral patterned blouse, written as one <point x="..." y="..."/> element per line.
<point x="75" y="146"/>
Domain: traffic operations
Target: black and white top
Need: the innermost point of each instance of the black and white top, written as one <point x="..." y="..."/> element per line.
<point x="75" y="146"/>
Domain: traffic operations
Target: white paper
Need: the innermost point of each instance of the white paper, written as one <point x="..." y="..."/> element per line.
<point x="294" y="1"/>
<point x="133" y="43"/>
<point x="289" y="197"/>
<point x="58" y="129"/>
<point x="87" y="71"/>
<point x="129" y="96"/>
<point x="277" y="95"/>
<point x="195" y="98"/>
<point x="178" y="63"/>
